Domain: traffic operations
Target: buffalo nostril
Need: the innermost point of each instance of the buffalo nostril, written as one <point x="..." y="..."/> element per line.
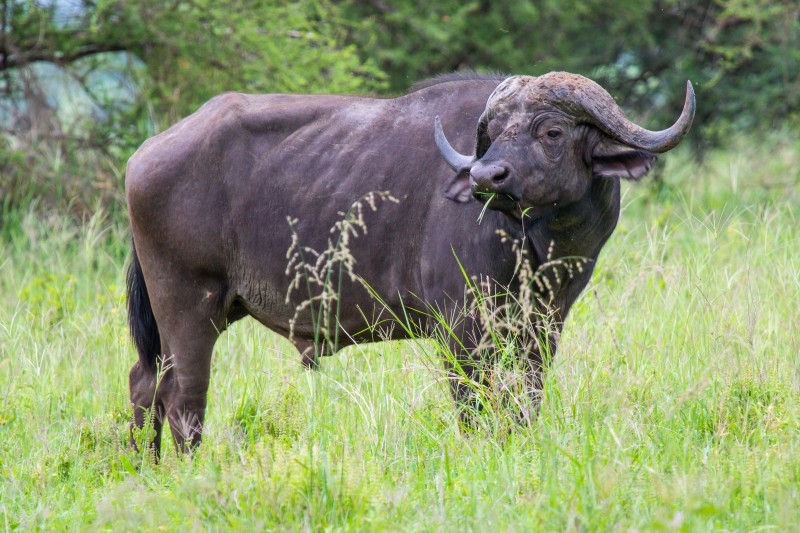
<point x="497" y="178"/>
<point x="489" y="173"/>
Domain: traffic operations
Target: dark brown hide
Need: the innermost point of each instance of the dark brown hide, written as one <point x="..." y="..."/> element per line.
<point x="209" y="201"/>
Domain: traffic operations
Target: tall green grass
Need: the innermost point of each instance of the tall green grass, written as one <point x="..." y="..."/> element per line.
<point x="672" y="403"/>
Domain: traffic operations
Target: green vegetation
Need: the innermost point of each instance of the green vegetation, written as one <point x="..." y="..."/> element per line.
<point x="673" y="402"/>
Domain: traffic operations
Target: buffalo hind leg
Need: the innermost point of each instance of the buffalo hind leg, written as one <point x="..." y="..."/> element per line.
<point x="148" y="411"/>
<point x="184" y="387"/>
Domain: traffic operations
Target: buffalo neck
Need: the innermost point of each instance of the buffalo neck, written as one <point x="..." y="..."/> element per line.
<point x="579" y="229"/>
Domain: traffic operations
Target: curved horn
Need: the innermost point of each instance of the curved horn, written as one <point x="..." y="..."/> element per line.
<point x="610" y="119"/>
<point x="454" y="160"/>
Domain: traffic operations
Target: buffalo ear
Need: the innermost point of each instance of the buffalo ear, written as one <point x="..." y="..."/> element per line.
<point x="459" y="189"/>
<point x="613" y="160"/>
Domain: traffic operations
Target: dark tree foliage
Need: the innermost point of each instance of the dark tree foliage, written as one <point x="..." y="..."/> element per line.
<point x="743" y="56"/>
<point x="84" y="82"/>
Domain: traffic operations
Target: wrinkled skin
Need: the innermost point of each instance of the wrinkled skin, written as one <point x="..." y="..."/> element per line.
<point x="209" y="200"/>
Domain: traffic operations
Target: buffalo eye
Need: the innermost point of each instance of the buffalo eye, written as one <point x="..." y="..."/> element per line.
<point x="553" y="134"/>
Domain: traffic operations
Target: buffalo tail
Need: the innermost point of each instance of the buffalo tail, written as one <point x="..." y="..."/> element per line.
<point x="141" y="320"/>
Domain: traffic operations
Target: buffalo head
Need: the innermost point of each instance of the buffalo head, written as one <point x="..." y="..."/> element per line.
<point x="541" y="140"/>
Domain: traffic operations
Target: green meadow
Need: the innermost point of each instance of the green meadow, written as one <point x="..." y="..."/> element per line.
<point x="673" y="402"/>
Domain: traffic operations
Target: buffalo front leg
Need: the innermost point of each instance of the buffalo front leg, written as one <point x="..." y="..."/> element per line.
<point x="537" y="350"/>
<point x="479" y="375"/>
<point x="465" y="381"/>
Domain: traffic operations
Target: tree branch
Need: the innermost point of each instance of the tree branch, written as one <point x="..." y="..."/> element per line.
<point x="13" y="59"/>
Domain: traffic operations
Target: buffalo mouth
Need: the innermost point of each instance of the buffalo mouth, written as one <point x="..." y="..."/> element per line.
<point x="512" y="206"/>
<point x="499" y="201"/>
<point x="495" y="200"/>
<point x="492" y="193"/>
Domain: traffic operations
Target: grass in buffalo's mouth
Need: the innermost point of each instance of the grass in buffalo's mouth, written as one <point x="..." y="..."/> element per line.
<point x="493" y="196"/>
<point x="486" y="205"/>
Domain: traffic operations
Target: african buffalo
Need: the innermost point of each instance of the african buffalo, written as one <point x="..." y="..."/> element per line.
<point x="216" y="200"/>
